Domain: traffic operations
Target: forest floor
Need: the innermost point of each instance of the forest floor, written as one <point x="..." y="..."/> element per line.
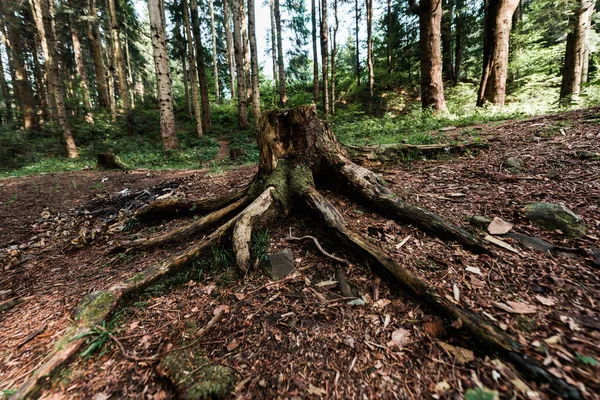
<point x="298" y="338"/>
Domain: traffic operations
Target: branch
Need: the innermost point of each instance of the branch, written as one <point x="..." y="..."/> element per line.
<point x="314" y="239"/>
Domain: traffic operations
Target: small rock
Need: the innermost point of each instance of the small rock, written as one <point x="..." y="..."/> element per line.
<point x="498" y="226"/>
<point x="514" y="163"/>
<point x="552" y="175"/>
<point x="555" y="216"/>
<point x="480" y="221"/>
<point x="280" y="264"/>
<point x="236" y="154"/>
<point x="587" y="155"/>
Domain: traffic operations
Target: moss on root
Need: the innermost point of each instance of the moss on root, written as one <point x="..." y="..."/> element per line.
<point x="94" y="307"/>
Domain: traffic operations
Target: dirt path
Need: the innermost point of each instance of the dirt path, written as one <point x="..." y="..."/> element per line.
<point x="298" y="338"/>
<point x="223" y="150"/>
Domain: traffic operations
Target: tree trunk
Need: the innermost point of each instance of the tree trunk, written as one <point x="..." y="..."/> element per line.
<point x="186" y="85"/>
<point x="356" y="19"/>
<point x="130" y="84"/>
<point x="193" y="72"/>
<point x="43" y="15"/>
<point x="117" y="54"/>
<point x="388" y="38"/>
<point x="22" y="88"/>
<point x="247" y="73"/>
<point x="229" y="43"/>
<point x="98" y="56"/>
<point x="79" y="66"/>
<point x="282" y="88"/>
<point x="41" y="83"/>
<point x="254" y="59"/>
<point x="274" y="52"/>
<point x="432" y="86"/>
<point x="163" y="74"/>
<point x="575" y="52"/>
<point x="206" y="120"/>
<point x="447" y="67"/>
<point x="369" y="6"/>
<point x="214" y="51"/>
<point x="334" y="54"/>
<point x="239" y="64"/>
<point x="460" y="27"/>
<point x="496" y="38"/>
<point x="5" y="97"/>
<point x="325" y="56"/>
<point x="313" y="18"/>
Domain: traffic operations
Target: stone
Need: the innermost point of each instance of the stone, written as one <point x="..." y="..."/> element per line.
<point x="514" y="163"/>
<point x="280" y="264"/>
<point x="479" y="221"/>
<point x="555" y="216"/>
<point x="237" y="153"/>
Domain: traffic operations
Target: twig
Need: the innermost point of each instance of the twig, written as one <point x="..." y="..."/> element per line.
<point x="120" y="346"/>
<point x="314" y="239"/>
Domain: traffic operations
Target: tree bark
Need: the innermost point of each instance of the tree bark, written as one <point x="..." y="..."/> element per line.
<point x="184" y="70"/>
<point x="356" y="19"/>
<point x="460" y="27"/>
<point x="334" y="54"/>
<point x="43" y="15"/>
<point x="98" y="56"/>
<point x="239" y="64"/>
<point x="163" y="74"/>
<point x="388" y="38"/>
<point x="369" y="6"/>
<point x="274" y="52"/>
<point x="229" y="43"/>
<point x="193" y="72"/>
<point x="214" y="51"/>
<point x="79" y="65"/>
<point x="118" y="55"/>
<point x="206" y="119"/>
<point x="110" y="75"/>
<point x="575" y="52"/>
<point x="253" y="59"/>
<point x="325" y="56"/>
<point x="282" y="88"/>
<point x="5" y="97"/>
<point x="22" y="88"/>
<point x="247" y="73"/>
<point x="496" y="38"/>
<point x="432" y="85"/>
<point x="313" y="18"/>
<point x="447" y="67"/>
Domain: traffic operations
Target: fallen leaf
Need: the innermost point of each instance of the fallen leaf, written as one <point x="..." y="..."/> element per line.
<point x="481" y="394"/>
<point x="224" y="308"/>
<point x="442" y="387"/>
<point x="403" y="242"/>
<point x="357" y="302"/>
<point x="240" y="296"/>
<point x="501" y="243"/>
<point x="456" y="292"/>
<point x="462" y="356"/>
<point x="514" y="307"/>
<point x="545" y="300"/>
<point x="477" y="283"/>
<point x="399" y="338"/>
<point x="434" y="329"/>
<point x="145" y="341"/>
<point x="498" y="226"/>
<point x="326" y="283"/>
<point x="315" y="390"/>
<point x="474" y="270"/>
<point x="233" y="345"/>
<point x="553" y="339"/>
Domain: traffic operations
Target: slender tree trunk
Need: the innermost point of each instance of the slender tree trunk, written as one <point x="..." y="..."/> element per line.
<point x="274" y="52"/>
<point x="356" y="30"/>
<point x="163" y="74"/>
<point x="229" y="42"/>
<point x="239" y="64"/>
<point x="460" y="27"/>
<point x="282" y="88"/>
<point x="247" y="81"/>
<point x="22" y="88"/>
<point x="517" y="16"/>
<point x="447" y="67"/>
<point x="43" y="15"/>
<point x="369" y="6"/>
<point x="5" y="97"/>
<point x="193" y="72"/>
<point x="253" y="59"/>
<point x="206" y="120"/>
<point x="432" y="86"/>
<point x="41" y="84"/>
<point x="110" y="79"/>
<point x="130" y="85"/>
<point x="388" y="38"/>
<point x="575" y="53"/>
<point x="79" y="66"/>
<point x="214" y="51"/>
<point x="98" y="56"/>
<point x="325" y="56"/>
<point x="334" y="54"/>
<point x="186" y="86"/>
<point x="496" y="39"/>
<point x="118" y="55"/>
<point x="313" y="18"/>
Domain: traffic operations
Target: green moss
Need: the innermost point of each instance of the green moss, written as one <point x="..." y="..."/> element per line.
<point x="137" y="278"/>
<point x="300" y="178"/>
<point x="94" y="307"/>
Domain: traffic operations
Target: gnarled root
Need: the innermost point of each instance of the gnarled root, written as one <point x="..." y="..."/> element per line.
<point x="182" y="232"/>
<point x="490" y="335"/>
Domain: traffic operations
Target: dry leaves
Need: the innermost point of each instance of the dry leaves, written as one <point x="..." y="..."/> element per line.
<point x="461" y="355"/>
<point x="498" y="226"/>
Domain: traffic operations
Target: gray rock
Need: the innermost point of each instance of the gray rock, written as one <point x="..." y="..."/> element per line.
<point x="479" y="221"/>
<point x="514" y="163"/>
<point x="555" y="216"/>
<point x="280" y="264"/>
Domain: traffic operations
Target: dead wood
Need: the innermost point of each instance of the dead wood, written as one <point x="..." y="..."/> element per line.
<point x="110" y="161"/>
<point x="343" y="284"/>
<point x="319" y="247"/>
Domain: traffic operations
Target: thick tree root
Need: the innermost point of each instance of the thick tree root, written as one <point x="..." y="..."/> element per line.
<point x="371" y="187"/>
<point x="181" y="207"/>
<point x="182" y="232"/>
<point x="398" y="152"/>
<point x="490" y="335"/>
<point x="97" y="306"/>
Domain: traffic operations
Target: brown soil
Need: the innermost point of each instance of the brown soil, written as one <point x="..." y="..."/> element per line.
<point x="299" y="338"/>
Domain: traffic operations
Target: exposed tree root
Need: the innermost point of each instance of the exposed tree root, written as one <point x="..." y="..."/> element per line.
<point x="182" y="232"/>
<point x="180" y="207"/>
<point x="490" y="335"/>
<point x="318" y="245"/>
<point x="398" y="152"/>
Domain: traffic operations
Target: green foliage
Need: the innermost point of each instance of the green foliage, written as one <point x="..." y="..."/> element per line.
<point x="260" y="245"/>
<point x="587" y="360"/>
<point x="481" y="394"/>
<point x="7" y="393"/>
<point x="98" y="338"/>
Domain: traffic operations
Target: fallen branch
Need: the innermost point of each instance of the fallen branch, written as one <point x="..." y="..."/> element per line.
<point x="316" y="242"/>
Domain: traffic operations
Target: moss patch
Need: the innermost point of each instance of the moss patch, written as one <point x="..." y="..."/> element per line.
<point x="94" y="307"/>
